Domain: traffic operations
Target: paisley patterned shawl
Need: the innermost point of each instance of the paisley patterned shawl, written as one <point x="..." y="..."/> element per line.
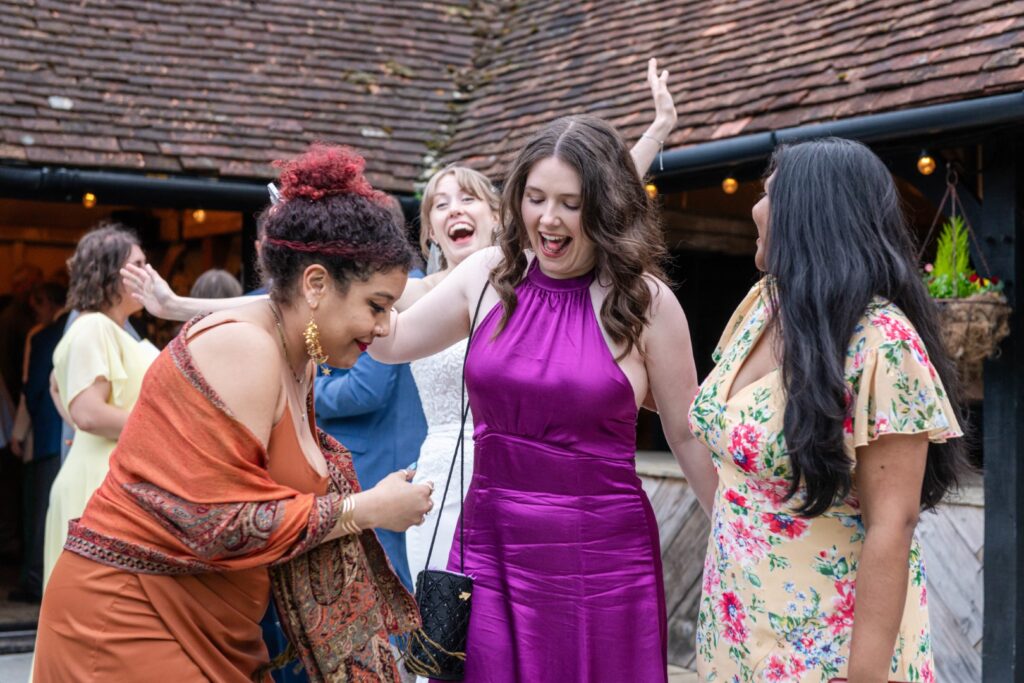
<point x="188" y="492"/>
<point x="336" y="610"/>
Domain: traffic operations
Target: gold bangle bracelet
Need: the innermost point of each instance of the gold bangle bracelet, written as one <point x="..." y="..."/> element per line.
<point x="346" y="520"/>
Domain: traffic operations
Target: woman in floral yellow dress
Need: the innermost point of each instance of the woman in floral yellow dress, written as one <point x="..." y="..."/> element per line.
<point x="827" y="416"/>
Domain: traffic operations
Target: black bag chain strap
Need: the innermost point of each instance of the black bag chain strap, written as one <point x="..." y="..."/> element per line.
<point x="460" y="453"/>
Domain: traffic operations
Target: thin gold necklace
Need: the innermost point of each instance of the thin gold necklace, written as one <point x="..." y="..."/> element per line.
<point x="284" y="348"/>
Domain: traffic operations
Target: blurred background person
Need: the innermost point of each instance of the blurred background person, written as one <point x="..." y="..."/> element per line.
<point x="98" y="371"/>
<point x="40" y="452"/>
<point x="17" y="318"/>
<point x="68" y="429"/>
<point x="47" y="302"/>
<point x="216" y="284"/>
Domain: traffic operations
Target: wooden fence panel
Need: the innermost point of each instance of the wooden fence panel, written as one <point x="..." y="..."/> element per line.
<point x="952" y="538"/>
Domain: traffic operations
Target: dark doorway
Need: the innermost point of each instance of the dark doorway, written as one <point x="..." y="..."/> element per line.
<point x="709" y="286"/>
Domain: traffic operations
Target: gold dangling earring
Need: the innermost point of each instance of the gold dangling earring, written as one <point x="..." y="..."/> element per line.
<point x="316" y="352"/>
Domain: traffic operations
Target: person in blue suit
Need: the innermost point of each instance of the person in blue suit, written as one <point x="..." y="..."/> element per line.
<point x="374" y="410"/>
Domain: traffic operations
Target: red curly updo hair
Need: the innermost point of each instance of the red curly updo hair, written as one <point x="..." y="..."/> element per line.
<point x="328" y="214"/>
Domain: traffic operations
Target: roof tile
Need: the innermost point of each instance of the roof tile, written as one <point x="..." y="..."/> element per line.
<point x="225" y="87"/>
<point x="736" y="67"/>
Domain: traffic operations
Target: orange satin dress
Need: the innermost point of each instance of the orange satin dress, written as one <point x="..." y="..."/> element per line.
<point x="98" y="623"/>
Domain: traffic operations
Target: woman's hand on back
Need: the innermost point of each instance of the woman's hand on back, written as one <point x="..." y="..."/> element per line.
<point x="147" y="287"/>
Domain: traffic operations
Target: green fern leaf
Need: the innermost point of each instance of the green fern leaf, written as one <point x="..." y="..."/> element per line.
<point x="952" y="256"/>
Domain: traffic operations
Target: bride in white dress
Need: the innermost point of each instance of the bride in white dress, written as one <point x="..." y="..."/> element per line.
<point x="458" y="216"/>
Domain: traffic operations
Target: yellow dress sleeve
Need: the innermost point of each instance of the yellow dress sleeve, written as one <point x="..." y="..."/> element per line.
<point x="736" y="321"/>
<point x="89" y="350"/>
<point x="892" y="386"/>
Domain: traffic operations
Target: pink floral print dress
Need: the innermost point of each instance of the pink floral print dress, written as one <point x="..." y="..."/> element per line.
<point x="778" y="592"/>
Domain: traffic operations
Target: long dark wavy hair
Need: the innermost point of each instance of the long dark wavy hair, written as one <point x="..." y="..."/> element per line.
<point x="616" y="215"/>
<point x="837" y="238"/>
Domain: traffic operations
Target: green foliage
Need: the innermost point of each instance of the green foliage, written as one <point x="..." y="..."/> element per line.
<point x="951" y="276"/>
<point x="953" y="255"/>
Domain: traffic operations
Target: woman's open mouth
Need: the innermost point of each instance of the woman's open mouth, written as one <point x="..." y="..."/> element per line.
<point x="461" y="233"/>
<point x="554" y="246"/>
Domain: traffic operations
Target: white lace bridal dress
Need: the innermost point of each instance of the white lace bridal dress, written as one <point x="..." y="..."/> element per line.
<point x="439" y="381"/>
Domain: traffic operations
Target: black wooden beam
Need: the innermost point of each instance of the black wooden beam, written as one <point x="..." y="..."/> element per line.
<point x="1002" y="236"/>
<point x="250" y="274"/>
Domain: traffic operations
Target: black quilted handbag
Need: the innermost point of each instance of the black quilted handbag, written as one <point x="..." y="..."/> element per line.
<point x="438" y="648"/>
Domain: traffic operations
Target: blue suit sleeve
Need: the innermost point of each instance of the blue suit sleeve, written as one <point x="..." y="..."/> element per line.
<point x="365" y="388"/>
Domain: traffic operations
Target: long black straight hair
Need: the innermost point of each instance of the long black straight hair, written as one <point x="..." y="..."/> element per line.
<point x="837" y="238"/>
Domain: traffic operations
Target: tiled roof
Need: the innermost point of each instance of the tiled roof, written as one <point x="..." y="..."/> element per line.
<point x="736" y="67"/>
<point x="222" y="87"/>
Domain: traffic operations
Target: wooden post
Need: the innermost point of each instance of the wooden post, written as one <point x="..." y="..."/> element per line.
<point x="1002" y="239"/>
<point x="250" y="276"/>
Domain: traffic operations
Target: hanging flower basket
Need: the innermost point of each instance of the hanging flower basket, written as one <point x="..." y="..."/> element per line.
<point x="974" y="313"/>
<point x="972" y="329"/>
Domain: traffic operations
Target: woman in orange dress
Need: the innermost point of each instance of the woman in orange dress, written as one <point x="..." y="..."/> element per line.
<point x="221" y="488"/>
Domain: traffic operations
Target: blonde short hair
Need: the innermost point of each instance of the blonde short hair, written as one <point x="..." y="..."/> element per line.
<point x="473" y="182"/>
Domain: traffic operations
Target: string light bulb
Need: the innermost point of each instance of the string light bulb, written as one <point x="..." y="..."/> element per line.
<point x="199" y="216"/>
<point x="730" y="185"/>
<point x="652" y="190"/>
<point x="925" y="163"/>
<point x="88" y="200"/>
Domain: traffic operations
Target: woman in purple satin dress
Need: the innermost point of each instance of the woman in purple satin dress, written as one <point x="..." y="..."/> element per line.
<point x="578" y="330"/>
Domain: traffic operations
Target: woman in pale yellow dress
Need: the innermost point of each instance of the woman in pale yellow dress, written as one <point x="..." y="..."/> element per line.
<point x="98" y="371"/>
<point x="831" y="417"/>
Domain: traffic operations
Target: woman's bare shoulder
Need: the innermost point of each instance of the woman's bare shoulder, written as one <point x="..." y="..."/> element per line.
<point x="241" y="361"/>
<point x="485" y="260"/>
<point x="666" y="319"/>
<point x="237" y="337"/>
<point x="661" y="293"/>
